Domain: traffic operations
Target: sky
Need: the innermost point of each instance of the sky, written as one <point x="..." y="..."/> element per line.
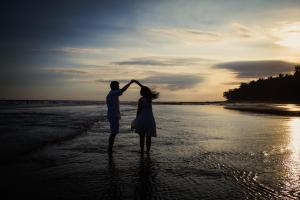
<point x="186" y="50"/>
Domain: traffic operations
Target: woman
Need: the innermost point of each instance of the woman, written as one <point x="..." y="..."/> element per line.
<point x="145" y="123"/>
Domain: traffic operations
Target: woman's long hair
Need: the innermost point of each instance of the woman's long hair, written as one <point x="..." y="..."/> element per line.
<point x="148" y="93"/>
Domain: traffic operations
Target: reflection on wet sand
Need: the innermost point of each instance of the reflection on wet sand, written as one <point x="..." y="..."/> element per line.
<point x="145" y="187"/>
<point x="294" y="145"/>
<point x="113" y="190"/>
<point x="293" y="181"/>
<point x="143" y="182"/>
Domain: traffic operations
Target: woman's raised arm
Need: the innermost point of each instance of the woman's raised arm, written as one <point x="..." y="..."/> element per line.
<point x="135" y="81"/>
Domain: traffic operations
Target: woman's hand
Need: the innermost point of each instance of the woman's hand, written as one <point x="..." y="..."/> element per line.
<point x="135" y="81"/>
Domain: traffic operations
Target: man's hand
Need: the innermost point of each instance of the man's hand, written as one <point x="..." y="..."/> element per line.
<point x="126" y="86"/>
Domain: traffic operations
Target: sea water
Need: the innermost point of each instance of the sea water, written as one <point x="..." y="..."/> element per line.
<point x="200" y="152"/>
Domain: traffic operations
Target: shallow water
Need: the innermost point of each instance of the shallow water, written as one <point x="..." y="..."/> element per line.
<point x="24" y="129"/>
<point x="201" y="152"/>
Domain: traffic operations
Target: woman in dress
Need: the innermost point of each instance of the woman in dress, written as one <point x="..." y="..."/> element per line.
<point x="145" y="123"/>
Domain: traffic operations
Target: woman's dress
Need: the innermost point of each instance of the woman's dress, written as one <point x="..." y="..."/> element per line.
<point x="145" y="122"/>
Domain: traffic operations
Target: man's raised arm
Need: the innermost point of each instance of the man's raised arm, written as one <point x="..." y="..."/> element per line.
<point x="126" y="86"/>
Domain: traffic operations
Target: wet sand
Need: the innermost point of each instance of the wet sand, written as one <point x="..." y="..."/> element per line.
<point x="81" y="169"/>
<point x="200" y="153"/>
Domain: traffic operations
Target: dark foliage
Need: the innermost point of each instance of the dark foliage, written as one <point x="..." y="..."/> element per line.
<point x="283" y="88"/>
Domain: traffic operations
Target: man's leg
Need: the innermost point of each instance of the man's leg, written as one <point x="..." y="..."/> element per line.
<point x="114" y="130"/>
<point x="111" y="143"/>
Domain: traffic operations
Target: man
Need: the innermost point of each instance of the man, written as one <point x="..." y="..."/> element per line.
<point x="113" y="111"/>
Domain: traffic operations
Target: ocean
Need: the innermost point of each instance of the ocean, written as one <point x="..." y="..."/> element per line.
<point x="58" y="151"/>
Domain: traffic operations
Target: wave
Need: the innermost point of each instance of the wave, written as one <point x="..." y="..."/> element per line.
<point x="25" y="130"/>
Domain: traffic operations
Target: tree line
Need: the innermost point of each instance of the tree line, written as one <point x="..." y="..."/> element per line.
<point x="281" y="88"/>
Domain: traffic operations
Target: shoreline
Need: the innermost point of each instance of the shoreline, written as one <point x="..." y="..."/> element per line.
<point x="272" y="108"/>
<point x="263" y="108"/>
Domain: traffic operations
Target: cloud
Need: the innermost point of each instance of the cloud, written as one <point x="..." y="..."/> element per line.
<point x="241" y="30"/>
<point x="66" y="71"/>
<point x="288" y="35"/>
<point x="188" y="35"/>
<point x="256" y="69"/>
<point x="80" y="50"/>
<point x="164" y="61"/>
<point x="167" y="80"/>
<point x="232" y="83"/>
<point x="174" y="81"/>
<point x="108" y="81"/>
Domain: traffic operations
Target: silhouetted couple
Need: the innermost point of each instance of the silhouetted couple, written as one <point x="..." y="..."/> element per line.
<point x="143" y="124"/>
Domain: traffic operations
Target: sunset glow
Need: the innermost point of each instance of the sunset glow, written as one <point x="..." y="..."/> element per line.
<point x="290" y="36"/>
<point x="187" y="50"/>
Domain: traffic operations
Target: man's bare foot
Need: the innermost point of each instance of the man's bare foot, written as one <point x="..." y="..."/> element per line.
<point x="109" y="152"/>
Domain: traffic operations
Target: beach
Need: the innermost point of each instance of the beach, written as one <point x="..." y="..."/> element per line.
<point x="201" y="152"/>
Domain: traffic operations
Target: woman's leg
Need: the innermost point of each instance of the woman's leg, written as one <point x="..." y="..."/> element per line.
<point x="142" y="141"/>
<point x="148" y="143"/>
